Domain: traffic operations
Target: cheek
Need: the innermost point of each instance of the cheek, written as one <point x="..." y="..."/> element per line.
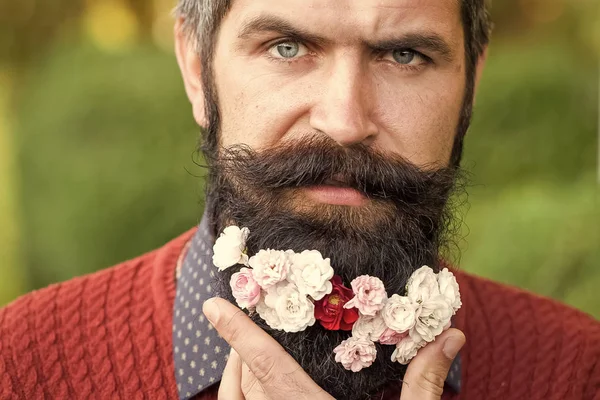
<point x="259" y="109"/>
<point x="419" y="120"/>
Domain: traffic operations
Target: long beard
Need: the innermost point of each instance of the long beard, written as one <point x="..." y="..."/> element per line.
<point x="403" y="225"/>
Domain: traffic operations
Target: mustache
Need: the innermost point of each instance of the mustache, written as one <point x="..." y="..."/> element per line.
<point x="320" y="160"/>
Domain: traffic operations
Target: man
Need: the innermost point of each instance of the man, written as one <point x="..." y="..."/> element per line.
<point x="330" y="125"/>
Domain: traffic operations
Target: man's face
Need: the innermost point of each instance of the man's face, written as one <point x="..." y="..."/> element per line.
<point x="389" y="74"/>
<point x="337" y="122"/>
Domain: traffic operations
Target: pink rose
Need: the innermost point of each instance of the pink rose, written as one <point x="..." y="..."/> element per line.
<point x="355" y="354"/>
<point x="244" y="288"/>
<point x="370" y="295"/>
<point x="390" y="336"/>
<point x="270" y="267"/>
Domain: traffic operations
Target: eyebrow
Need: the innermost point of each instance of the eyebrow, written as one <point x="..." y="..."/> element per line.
<point x="430" y="41"/>
<point x="269" y="23"/>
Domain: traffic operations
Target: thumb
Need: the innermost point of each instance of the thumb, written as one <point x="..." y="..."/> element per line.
<point x="426" y="373"/>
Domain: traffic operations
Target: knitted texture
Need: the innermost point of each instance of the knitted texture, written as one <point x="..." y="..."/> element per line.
<point x="108" y="336"/>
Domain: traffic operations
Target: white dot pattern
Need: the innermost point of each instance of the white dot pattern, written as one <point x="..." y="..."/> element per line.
<point x="200" y="353"/>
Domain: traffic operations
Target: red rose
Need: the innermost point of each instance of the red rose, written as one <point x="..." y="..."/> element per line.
<point x="330" y="311"/>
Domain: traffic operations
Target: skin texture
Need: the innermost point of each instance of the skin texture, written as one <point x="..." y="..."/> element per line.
<point x="340" y="84"/>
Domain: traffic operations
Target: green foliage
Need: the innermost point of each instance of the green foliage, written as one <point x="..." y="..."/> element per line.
<point x="542" y="237"/>
<point x="534" y="218"/>
<point x="535" y="117"/>
<point x="106" y="145"/>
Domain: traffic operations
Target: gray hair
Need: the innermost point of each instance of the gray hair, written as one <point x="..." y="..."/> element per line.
<point x="202" y="19"/>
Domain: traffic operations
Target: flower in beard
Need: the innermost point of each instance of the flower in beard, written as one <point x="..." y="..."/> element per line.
<point x="406" y="350"/>
<point x="229" y="248"/>
<point x="449" y="288"/>
<point x="399" y="313"/>
<point x="259" y="189"/>
<point x="432" y="316"/>
<point x="330" y="309"/>
<point x="286" y="309"/>
<point x="268" y="314"/>
<point x="270" y="267"/>
<point x="390" y="336"/>
<point x="355" y="354"/>
<point x="370" y="295"/>
<point x="422" y="285"/>
<point x="311" y="274"/>
<point x="369" y="327"/>
<point x="244" y="288"/>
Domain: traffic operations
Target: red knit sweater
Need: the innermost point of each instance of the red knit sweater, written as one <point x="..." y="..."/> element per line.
<point x="108" y="336"/>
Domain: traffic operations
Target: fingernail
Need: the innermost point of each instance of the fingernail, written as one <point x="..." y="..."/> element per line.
<point x="211" y="310"/>
<point x="452" y="346"/>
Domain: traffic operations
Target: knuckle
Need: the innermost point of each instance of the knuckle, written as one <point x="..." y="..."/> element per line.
<point x="432" y="382"/>
<point x="231" y="331"/>
<point x="251" y="386"/>
<point x="263" y="367"/>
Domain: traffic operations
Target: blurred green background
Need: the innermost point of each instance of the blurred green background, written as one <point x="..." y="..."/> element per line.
<point x="97" y="144"/>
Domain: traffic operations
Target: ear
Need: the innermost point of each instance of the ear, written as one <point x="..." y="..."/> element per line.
<point x="480" y="66"/>
<point x="191" y="70"/>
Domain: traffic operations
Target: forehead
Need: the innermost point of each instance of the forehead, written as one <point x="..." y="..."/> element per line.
<point x="353" y="20"/>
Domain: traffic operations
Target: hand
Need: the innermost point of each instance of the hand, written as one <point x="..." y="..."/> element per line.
<point x="260" y="369"/>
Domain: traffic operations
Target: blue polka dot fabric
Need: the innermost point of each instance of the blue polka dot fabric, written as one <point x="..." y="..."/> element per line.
<point x="200" y="353"/>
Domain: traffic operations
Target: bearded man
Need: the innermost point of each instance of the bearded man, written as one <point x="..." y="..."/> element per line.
<point x="334" y="127"/>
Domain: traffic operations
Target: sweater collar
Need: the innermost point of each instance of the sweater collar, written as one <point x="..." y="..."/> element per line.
<point x="200" y="354"/>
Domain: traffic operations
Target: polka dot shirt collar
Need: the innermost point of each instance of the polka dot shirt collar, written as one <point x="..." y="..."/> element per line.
<point x="200" y="354"/>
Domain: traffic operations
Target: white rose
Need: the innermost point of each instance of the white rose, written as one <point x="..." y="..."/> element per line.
<point x="268" y="314"/>
<point x="432" y="316"/>
<point x="270" y="267"/>
<point x="229" y="248"/>
<point x="369" y="327"/>
<point x="422" y="285"/>
<point x="399" y="313"/>
<point x="293" y="309"/>
<point x="311" y="274"/>
<point x="355" y="354"/>
<point x="449" y="288"/>
<point x="406" y="350"/>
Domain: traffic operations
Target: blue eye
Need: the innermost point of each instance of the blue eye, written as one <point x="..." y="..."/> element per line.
<point x="404" y="56"/>
<point x="288" y="49"/>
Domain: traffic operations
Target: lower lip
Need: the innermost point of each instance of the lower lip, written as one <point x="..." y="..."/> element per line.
<point x="343" y="196"/>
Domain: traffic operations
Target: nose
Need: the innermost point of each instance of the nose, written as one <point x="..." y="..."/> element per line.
<point x="344" y="106"/>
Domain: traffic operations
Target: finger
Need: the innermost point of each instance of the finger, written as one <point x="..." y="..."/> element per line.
<point x="279" y="374"/>
<point x="231" y="382"/>
<point x="426" y="373"/>
<point x="251" y="387"/>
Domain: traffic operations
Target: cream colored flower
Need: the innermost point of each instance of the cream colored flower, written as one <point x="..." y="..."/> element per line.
<point x="399" y="313"/>
<point x="432" y="316"/>
<point x="311" y="274"/>
<point x="422" y="285"/>
<point x="406" y="350"/>
<point x="449" y="288"/>
<point x="355" y="354"/>
<point x="294" y="311"/>
<point x="270" y="267"/>
<point x="268" y="314"/>
<point x="369" y="295"/>
<point x="229" y="248"/>
<point x="369" y="327"/>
